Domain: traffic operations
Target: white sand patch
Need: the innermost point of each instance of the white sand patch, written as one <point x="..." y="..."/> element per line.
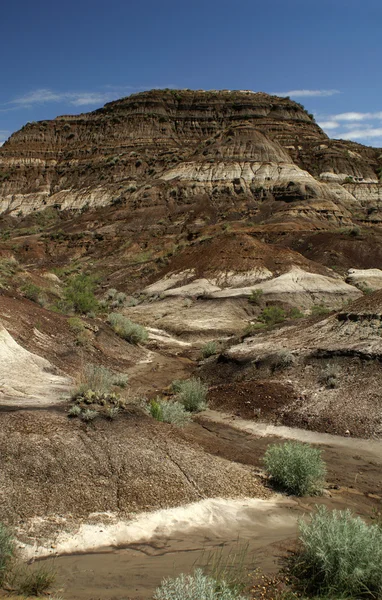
<point x="27" y="379"/>
<point x="217" y="516"/>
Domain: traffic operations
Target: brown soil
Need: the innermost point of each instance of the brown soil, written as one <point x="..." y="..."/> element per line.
<point x="338" y="250"/>
<point x="238" y="252"/>
<point x="53" y="465"/>
<point x="252" y="399"/>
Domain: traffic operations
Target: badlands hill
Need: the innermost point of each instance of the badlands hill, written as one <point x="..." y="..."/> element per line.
<point x="227" y="218"/>
<point x="211" y="154"/>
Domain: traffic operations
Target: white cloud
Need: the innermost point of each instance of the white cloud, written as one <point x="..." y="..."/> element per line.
<point x="366" y="133"/>
<point x="329" y="124"/>
<point x="43" y="96"/>
<point x="356" y="116"/>
<point x="308" y="93"/>
<point x="85" y="98"/>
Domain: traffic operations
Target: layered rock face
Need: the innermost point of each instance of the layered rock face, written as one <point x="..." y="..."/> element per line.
<point x="239" y="154"/>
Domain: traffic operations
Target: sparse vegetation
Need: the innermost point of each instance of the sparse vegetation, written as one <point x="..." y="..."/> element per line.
<point x="209" y="349"/>
<point x="192" y="393"/>
<point x="295" y="467"/>
<point x="196" y="586"/>
<point x="33" y="581"/>
<point x="77" y="325"/>
<point x="295" y="313"/>
<point x="127" y="329"/>
<point x="8" y="268"/>
<point x="32" y="292"/>
<point x="339" y="556"/>
<point x="97" y="378"/>
<point x="30" y="581"/>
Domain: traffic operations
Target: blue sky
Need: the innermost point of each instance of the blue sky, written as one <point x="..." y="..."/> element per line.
<point x="73" y="56"/>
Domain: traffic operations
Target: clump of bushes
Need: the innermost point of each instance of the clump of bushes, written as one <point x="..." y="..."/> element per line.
<point x="339" y="556"/>
<point x="295" y="467"/>
<point x="195" y="586"/>
<point x="89" y="415"/>
<point x="32" y="292"/>
<point x="192" y="393"/>
<point x="169" y="411"/>
<point x="329" y="376"/>
<point x="319" y="310"/>
<point x="97" y="378"/>
<point x="79" y="295"/>
<point x="32" y="581"/>
<point x="127" y="329"/>
<point x="78" y="327"/>
<point x="271" y="315"/>
<point x="256" y="297"/>
<point x="281" y="360"/>
<point x="94" y="393"/>
<point x="209" y="349"/>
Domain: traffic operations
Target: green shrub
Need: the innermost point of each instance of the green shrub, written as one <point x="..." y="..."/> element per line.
<point x="7" y="549"/>
<point x="89" y="415"/>
<point x="76" y="325"/>
<point x="169" y="411"/>
<point x="74" y="411"/>
<point x="192" y="393"/>
<point x="209" y="349"/>
<point x="271" y="315"/>
<point x="339" y="556"/>
<point x="295" y="467"/>
<point x="128" y="330"/>
<point x="295" y="313"/>
<point x="31" y="291"/>
<point x="155" y="409"/>
<point x="256" y="297"/>
<point x="319" y="310"/>
<point x="196" y="586"/>
<point x="79" y="295"/>
<point x="112" y="412"/>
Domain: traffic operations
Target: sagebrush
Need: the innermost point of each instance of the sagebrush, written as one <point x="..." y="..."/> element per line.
<point x="127" y="329"/>
<point x="339" y="556"/>
<point x="169" y="411"/>
<point x="196" y="586"/>
<point x="295" y="467"/>
<point x="209" y="349"/>
<point x="192" y="393"/>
